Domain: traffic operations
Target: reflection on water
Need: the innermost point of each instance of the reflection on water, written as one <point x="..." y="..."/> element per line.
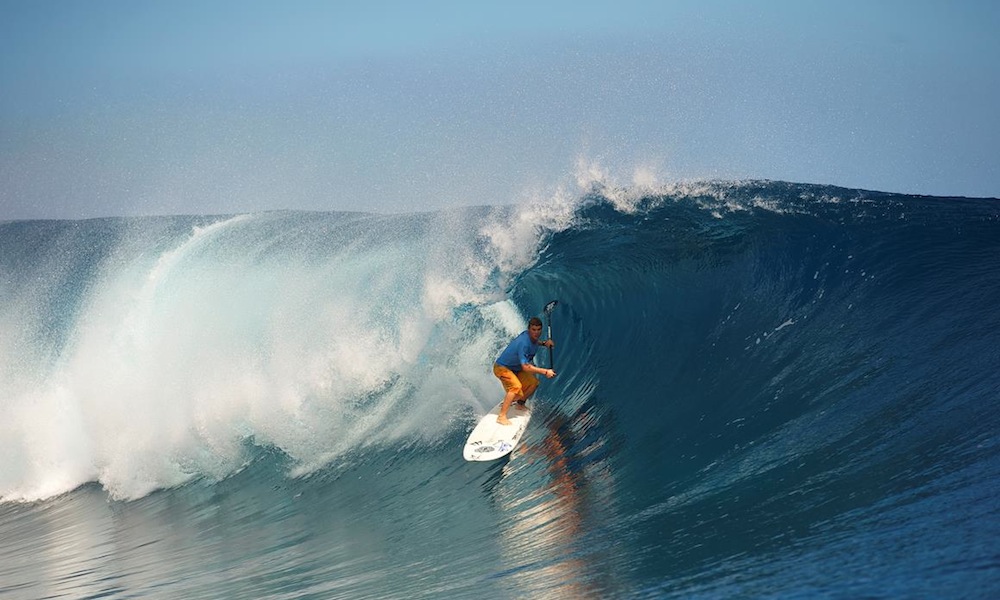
<point x="554" y="538"/>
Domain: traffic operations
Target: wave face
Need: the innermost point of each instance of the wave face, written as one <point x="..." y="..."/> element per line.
<point x="765" y="389"/>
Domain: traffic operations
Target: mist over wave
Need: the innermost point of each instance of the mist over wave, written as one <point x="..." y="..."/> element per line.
<point x="143" y="352"/>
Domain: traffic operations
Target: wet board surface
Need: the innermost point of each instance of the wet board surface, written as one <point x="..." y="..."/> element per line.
<point x="491" y="440"/>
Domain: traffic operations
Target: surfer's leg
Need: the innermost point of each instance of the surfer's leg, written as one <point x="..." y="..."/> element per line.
<point x="512" y="384"/>
<point x="507" y="400"/>
<point x="529" y="383"/>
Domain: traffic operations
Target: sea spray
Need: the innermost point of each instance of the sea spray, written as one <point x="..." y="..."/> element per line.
<point x="313" y="334"/>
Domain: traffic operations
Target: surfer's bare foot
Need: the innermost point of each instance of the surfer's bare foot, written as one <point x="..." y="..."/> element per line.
<point x="503" y="420"/>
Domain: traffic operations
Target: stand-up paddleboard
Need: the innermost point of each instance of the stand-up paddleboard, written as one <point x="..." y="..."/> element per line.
<point x="491" y="440"/>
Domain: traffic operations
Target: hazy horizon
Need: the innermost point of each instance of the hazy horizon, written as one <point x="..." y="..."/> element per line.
<point x="119" y="108"/>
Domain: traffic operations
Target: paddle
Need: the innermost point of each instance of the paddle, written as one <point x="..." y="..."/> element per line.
<point x="548" y="317"/>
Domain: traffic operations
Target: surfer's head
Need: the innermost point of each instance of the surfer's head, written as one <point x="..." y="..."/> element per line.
<point x="534" y="328"/>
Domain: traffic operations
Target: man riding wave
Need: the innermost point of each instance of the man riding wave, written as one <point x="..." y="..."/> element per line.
<point x="516" y="370"/>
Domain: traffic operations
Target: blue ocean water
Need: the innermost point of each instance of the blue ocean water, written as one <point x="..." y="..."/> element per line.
<point x="765" y="390"/>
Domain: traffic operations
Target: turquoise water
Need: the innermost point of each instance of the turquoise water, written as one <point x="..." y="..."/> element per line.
<point x="764" y="390"/>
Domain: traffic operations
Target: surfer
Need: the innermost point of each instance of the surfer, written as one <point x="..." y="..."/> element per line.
<point x="515" y="370"/>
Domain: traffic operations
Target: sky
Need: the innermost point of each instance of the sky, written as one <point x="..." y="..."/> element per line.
<point x="123" y="107"/>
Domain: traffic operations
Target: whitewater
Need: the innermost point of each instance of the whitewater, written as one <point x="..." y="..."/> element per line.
<point x="765" y="389"/>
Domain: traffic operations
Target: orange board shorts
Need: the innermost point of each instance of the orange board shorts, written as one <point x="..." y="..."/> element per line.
<point x="522" y="383"/>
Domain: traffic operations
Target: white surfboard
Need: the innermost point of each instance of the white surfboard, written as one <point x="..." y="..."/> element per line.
<point x="491" y="440"/>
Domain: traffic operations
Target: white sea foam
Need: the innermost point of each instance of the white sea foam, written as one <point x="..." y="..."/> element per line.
<point x="238" y="335"/>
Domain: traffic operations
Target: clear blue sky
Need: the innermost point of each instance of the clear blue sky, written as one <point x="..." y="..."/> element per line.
<point x="122" y="107"/>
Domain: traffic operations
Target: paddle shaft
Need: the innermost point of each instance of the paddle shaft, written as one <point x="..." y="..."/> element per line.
<point x="552" y="362"/>
<point x="548" y="318"/>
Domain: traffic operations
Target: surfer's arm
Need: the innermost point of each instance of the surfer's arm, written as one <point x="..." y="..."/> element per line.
<point x="533" y="369"/>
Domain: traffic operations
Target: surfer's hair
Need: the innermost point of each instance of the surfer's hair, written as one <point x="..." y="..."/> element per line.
<point x="534" y="322"/>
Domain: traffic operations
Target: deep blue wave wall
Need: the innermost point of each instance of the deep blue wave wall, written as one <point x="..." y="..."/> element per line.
<point x="795" y="357"/>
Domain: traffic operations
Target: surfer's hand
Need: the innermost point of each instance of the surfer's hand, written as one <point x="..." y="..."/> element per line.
<point x="548" y="344"/>
<point x="550" y="373"/>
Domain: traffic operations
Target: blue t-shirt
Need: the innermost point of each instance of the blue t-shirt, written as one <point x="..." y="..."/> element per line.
<point x="519" y="352"/>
